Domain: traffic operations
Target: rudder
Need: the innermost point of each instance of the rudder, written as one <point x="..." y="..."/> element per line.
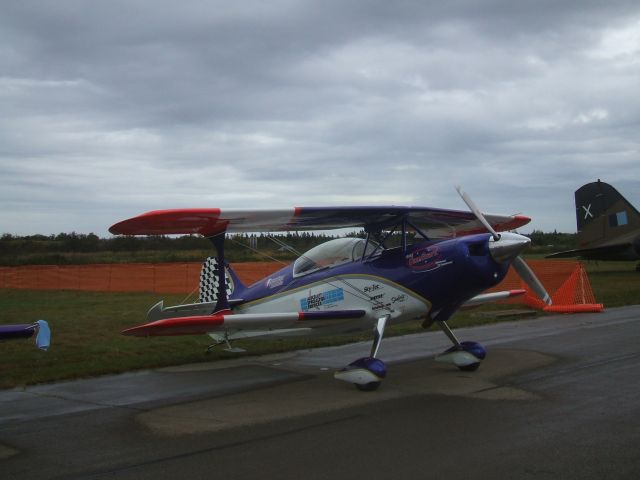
<point x="602" y="213"/>
<point x="209" y="280"/>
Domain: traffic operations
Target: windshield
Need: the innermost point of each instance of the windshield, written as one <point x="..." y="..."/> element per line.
<point x="332" y="253"/>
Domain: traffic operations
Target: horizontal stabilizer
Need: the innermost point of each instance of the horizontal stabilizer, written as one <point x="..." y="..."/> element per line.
<point x="493" y="297"/>
<point x="201" y="324"/>
<point x="40" y="329"/>
<point x="9" y="332"/>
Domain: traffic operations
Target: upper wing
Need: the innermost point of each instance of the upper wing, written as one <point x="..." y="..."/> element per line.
<point x="434" y="222"/>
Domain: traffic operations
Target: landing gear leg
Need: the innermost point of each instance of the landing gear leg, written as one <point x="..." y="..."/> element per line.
<point x="467" y="356"/>
<point x="223" y="339"/>
<point x="367" y="373"/>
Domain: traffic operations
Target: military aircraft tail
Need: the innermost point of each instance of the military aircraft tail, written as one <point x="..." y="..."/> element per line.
<point x="608" y="224"/>
<point x="603" y="213"/>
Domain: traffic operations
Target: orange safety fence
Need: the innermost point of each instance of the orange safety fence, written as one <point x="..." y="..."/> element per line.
<point x="123" y="277"/>
<point x="565" y="280"/>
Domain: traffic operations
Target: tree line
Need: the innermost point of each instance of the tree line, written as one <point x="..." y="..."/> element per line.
<point x="70" y="248"/>
<point x="65" y="248"/>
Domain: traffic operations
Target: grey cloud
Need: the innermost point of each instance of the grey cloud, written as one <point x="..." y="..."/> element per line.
<point x="126" y="106"/>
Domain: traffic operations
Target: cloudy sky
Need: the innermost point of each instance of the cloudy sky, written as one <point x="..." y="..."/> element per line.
<point x="110" y="109"/>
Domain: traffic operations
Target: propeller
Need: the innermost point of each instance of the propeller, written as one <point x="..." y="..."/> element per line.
<point x="476" y="211"/>
<point x="530" y="279"/>
<point x="506" y="247"/>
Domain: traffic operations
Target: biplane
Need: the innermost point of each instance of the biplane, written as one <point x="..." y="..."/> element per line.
<point x="444" y="259"/>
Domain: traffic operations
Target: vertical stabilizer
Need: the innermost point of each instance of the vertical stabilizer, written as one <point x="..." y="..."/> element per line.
<point x="213" y="277"/>
<point x="237" y="286"/>
<point x="603" y="215"/>
<point x="218" y="281"/>
<point x="210" y="283"/>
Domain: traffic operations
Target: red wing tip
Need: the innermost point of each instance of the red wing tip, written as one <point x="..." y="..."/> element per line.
<point x="516" y="292"/>
<point x="515" y="222"/>
<point x="204" y="221"/>
<point x="139" y="331"/>
<point x="198" y="324"/>
<point x="521" y="220"/>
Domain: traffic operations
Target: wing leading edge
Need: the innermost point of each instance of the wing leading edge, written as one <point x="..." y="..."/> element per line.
<point x="435" y="222"/>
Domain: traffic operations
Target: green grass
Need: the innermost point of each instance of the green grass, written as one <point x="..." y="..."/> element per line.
<point x="87" y="342"/>
<point x="614" y="283"/>
<point x="86" y="338"/>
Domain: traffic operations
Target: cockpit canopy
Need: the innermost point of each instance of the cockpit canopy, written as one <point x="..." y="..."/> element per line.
<point x="333" y="253"/>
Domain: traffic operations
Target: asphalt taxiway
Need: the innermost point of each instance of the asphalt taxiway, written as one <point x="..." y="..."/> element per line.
<point x="557" y="397"/>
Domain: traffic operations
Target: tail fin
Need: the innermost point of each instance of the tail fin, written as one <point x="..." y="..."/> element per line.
<point x="603" y="214"/>
<point x="232" y="278"/>
<point x="209" y="282"/>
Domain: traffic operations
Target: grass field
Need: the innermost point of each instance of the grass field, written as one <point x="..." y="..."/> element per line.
<point x="86" y="330"/>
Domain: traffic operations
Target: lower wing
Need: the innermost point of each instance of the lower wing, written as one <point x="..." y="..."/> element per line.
<point x="201" y="324"/>
<point x="492" y="297"/>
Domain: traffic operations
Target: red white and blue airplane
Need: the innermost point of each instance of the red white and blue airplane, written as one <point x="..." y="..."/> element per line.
<point x="446" y="260"/>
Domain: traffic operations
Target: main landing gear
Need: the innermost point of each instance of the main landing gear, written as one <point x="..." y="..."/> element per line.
<point x="467" y="356"/>
<point x="367" y="373"/>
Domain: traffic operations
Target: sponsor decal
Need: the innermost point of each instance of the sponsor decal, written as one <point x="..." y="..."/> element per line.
<point x="376" y="294"/>
<point x="275" y="282"/>
<point x="320" y="299"/>
<point x="425" y="259"/>
<point x="372" y="288"/>
<point x="400" y="298"/>
<point x="381" y="306"/>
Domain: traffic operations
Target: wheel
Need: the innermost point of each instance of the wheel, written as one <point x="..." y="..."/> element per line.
<point x="368" y="387"/>
<point x="469" y="368"/>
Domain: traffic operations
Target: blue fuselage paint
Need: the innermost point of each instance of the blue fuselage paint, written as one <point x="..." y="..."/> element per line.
<point x="442" y="274"/>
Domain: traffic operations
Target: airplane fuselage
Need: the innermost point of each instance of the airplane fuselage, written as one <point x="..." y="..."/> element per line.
<point x="404" y="284"/>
